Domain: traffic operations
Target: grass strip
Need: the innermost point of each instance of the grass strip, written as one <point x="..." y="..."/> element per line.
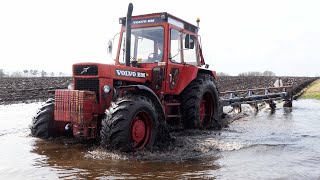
<point x="313" y="91"/>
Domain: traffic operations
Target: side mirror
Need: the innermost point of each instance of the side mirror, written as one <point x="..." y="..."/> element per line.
<point x="110" y="44"/>
<point x="189" y="41"/>
<point x="113" y="51"/>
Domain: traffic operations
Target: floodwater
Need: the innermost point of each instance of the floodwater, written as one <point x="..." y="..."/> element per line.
<point x="284" y="144"/>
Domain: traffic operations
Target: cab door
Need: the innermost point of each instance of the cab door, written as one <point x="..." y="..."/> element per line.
<point x="175" y="66"/>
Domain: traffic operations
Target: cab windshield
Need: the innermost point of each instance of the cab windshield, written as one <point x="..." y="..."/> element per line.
<point x="146" y="45"/>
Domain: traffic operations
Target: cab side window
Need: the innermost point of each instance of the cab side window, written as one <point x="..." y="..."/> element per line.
<point x="190" y="49"/>
<point x="175" y="46"/>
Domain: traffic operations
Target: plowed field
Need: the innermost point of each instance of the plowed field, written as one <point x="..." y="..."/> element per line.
<point x="30" y="89"/>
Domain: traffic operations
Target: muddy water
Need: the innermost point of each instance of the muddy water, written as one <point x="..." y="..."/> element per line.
<point x="264" y="145"/>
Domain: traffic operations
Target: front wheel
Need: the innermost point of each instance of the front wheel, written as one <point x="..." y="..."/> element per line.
<point x="130" y="124"/>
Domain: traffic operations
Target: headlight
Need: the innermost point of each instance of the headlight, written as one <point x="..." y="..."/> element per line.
<point x="106" y="89"/>
<point x="70" y="86"/>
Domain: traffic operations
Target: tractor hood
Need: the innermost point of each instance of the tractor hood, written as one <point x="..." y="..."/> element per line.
<point x="118" y="72"/>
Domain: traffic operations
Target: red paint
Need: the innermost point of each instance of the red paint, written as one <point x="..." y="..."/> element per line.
<point x="141" y="129"/>
<point x="206" y="108"/>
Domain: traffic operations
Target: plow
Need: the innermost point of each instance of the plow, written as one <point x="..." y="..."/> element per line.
<point x="253" y="97"/>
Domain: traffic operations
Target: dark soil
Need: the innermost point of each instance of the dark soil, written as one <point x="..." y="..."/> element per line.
<point x="14" y="90"/>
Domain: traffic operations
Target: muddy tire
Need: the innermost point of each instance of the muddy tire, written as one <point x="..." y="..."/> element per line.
<point x="130" y="124"/>
<point x="200" y="104"/>
<point x="43" y="122"/>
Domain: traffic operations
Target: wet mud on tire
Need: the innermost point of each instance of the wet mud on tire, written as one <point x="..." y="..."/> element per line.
<point x="131" y="123"/>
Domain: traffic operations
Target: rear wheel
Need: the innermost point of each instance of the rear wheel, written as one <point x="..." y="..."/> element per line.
<point x="43" y="124"/>
<point x="130" y="124"/>
<point x="200" y="104"/>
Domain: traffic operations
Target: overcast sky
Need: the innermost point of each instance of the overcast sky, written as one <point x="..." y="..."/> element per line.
<point x="237" y="35"/>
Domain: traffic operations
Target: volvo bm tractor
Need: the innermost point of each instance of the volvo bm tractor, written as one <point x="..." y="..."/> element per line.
<point x="159" y="77"/>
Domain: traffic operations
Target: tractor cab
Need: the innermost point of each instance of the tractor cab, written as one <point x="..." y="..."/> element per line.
<point x="158" y="39"/>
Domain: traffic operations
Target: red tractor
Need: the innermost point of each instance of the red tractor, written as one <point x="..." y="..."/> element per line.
<point x="157" y="78"/>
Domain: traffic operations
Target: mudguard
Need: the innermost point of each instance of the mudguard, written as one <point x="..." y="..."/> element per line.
<point x="207" y="71"/>
<point x="144" y="91"/>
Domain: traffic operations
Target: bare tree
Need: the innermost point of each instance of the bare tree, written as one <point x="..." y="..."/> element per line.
<point x="35" y="72"/>
<point x="25" y="72"/>
<point x="43" y="73"/>
<point x="268" y="73"/>
<point x="31" y="72"/>
<point x="256" y="73"/>
<point x="2" y="74"/>
<point x="222" y="74"/>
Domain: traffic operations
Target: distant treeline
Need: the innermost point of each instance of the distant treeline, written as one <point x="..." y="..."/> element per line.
<point x="31" y="73"/>
<point x="250" y="73"/>
<point x="42" y="73"/>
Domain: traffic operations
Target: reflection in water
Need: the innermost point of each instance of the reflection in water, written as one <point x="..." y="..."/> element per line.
<point x="256" y="145"/>
<point x="70" y="160"/>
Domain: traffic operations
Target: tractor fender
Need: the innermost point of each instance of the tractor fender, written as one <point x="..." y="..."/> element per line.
<point x="145" y="91"/>
<point x="209" y="72"/>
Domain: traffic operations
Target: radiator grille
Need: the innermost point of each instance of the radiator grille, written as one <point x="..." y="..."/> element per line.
<point x="89" y="85"/>
<point x="86" y="70"/>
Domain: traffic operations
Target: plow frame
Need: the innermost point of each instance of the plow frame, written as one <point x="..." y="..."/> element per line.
<point x="249" y="96"/>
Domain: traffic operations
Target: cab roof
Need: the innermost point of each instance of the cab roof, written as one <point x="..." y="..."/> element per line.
<point x="160" y="17"/>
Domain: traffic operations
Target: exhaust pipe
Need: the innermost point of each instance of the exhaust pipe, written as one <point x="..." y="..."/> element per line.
<point x="128" y="34"/>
